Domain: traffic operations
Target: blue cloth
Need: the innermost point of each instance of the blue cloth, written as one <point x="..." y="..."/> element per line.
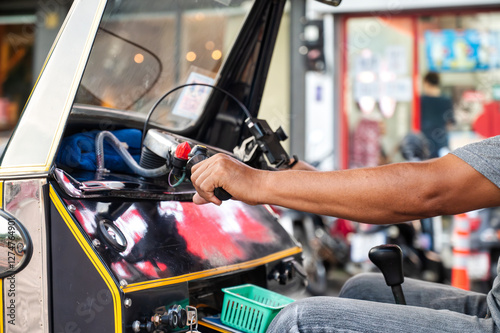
<point x="78" y="151"/>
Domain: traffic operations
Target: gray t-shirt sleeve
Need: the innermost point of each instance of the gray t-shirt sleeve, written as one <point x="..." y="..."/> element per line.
<point x="484" y="156"/>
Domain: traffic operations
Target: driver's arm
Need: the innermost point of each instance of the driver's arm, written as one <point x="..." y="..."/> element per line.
<point x="385" y="194"/>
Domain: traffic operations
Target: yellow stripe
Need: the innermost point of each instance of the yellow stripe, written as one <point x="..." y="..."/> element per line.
<point x="211" y="272"/>
<point x="93" y="258"/>
<point x="215" y="328"/>
<point x="1" y="194"/>
<point x="22" y="169"/>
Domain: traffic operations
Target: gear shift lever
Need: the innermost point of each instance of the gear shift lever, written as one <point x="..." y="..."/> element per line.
<point x="389" y="259"/>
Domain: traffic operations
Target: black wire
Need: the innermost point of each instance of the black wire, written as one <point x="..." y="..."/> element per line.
<point x="227" y="93"/>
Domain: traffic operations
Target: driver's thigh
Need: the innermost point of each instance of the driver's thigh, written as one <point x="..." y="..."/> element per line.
<point x="333" y="314"/>
<point x="372" y="287"/>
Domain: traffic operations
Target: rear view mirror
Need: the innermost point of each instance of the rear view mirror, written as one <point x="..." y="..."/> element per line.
<point x="114" y="58"/>
<point x="331" y="2"/>
<point x="15" y="245"/>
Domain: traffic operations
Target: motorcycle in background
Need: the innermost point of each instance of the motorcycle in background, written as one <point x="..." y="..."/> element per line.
<point x="324" y="244"/>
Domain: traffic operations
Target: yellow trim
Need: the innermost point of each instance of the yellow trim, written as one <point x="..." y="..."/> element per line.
<point x="106" y="276"/>
<point x="21" y="170"/>
<point x="215" y="328"/>
<point x="211" y="272"/>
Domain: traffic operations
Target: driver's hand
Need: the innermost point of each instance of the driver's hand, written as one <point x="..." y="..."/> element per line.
<point x="221" y="170"/>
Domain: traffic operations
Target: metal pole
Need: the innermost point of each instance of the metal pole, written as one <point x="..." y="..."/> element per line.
<point x="297" y="79"/>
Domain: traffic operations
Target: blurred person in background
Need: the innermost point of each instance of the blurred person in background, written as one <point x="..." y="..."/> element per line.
<point x="436" y="112"/>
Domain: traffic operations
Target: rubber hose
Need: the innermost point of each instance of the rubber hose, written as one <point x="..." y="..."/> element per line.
<point x="129" y="160"/>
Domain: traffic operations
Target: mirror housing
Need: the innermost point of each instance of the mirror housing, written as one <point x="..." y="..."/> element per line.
<point x="16" y="247"/>
<point x="334" y="3"/>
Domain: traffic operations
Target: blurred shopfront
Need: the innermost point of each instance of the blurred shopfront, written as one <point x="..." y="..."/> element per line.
<point x="384" y="52"/>
<point x="16" y="62"/>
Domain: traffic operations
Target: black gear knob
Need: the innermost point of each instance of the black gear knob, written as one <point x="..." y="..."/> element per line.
<point x="389" y="259"/>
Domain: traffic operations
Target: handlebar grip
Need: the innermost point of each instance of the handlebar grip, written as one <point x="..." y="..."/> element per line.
<point x="222" y="194"/>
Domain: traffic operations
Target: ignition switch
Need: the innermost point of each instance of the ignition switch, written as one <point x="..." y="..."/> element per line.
<point x="170" y="319"/>
<point x="180" y="159"/>
<point x="174" y="317"/>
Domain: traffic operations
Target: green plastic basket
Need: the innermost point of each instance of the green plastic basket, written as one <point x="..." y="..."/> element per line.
<point x="250" y="308"/>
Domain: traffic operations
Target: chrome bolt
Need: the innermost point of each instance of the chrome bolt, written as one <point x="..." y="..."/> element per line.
<point x="71" y="208"/>
<point x="96" y="243"/>
<point x="123" y="283"/>
<point x="127" y="302"/>
<point x="136" y="326"/>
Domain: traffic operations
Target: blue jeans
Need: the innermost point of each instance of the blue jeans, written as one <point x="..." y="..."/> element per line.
<point x="366" y="305"/>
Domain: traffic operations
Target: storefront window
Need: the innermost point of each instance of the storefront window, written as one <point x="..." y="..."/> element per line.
<point x="464" y="50"/>
<point x="384" y="97"/>
<point x="378" y="88"/>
